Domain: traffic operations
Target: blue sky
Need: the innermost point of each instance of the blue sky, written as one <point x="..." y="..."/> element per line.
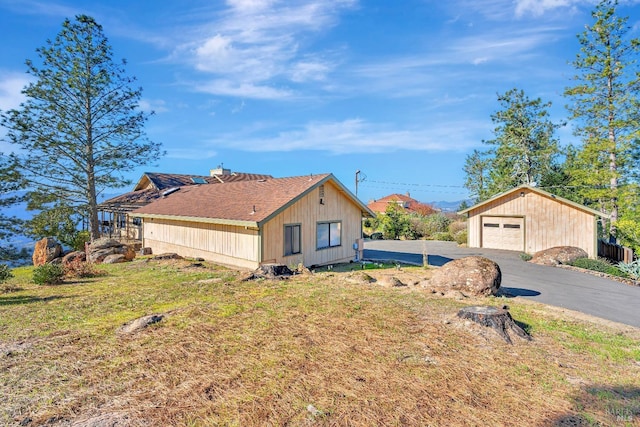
<point x="401" y="91"/>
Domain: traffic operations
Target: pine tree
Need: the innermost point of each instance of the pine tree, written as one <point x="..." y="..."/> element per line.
<point x="11" y="182"/>
<point x="604" y="105"/>
<point x="79" y="128"/>
<point x="523" y="151"/>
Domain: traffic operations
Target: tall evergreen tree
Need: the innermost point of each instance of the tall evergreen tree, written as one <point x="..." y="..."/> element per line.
<point x="79" y="128"/>
<point x="11" y="182"/>
<point x="605" y="107"/>
<point x="523" y="151"/>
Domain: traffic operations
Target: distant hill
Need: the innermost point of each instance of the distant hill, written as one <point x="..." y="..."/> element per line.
<point x="450" y="206"/>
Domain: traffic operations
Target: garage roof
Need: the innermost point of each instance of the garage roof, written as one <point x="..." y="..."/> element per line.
<point x="540" y="192"/>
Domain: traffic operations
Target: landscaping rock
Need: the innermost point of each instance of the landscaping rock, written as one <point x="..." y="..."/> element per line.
<point x="270" y="271"/>
<point x="140" y="323"/>
<point x="169" y="255"/>
<point x="114" y="259"/>
<point x="558" y="255"/>
<point x="101" y="248"/>
<point x="474" y="275"/>
<point x="72" y="257"/>
<point x="391" y="282"/>
<point x="46" y="250"/>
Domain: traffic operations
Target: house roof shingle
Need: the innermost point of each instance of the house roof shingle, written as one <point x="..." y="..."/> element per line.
<point x="245" y="202"/>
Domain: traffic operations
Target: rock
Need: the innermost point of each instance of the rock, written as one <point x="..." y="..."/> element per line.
<point x="391" y="282"/>
<point x="72" y="257"/>
<point x="270" y="271"/>
<point x="473" y="275"/>
<point x="46" y="250"/>
<point x="558" y="255"/>
<point x="140" y="323"/>
<point x="166" y="256"/>
<point x="114" y="259"/>
<point x="101" y="248"/>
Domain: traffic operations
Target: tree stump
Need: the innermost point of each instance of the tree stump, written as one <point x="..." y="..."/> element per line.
<point x="498" y="319"/>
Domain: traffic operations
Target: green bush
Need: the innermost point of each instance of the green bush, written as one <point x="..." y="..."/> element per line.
<point x="599" y="265"/>
<point x="5" y="273"/>
<point x="80" y="239"/>
<point x="525" y="256"/>
<point x="48" y="274"/>
<point x="442" y="235"/>
<point x="631" y="269"/>
<point x="461" y="237"/>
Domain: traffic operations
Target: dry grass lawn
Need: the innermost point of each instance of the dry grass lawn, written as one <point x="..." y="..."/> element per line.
<point x="322" y="349"/>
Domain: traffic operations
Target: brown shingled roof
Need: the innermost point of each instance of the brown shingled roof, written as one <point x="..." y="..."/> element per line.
<point x="249" y="202"/>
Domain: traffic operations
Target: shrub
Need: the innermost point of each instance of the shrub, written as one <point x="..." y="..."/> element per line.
<point x="436" y="223"/>
<point x="599" y="265"/>
<point x="79" y="268"/>
<point x="5" y="273"/>
<point x="461" y="237"/>
<point x="442" y="235"/>
<point x="457" y="226"/>
<point x="525" y="256"/>
<point x="48" y="274"/>
<point x="80" y="239"/>
<point x="631" y="269"/>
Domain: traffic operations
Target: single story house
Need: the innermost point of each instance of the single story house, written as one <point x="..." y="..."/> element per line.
<point x="401" y="201"/>
<point x="114" y="212"/>
<point x="312" y="220"/>
<point x="528" y="219"/>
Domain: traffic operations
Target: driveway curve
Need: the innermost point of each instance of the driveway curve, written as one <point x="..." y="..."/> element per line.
<point x="559" y="287"/>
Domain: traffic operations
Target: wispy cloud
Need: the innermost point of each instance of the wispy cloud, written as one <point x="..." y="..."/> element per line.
<point x="359" y="136"/>
<point x="253" y="47"/>
<point x="153" y="105"/>
<point x="45" y="8"/>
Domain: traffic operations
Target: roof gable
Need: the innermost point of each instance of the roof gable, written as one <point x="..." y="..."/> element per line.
<point x="246" y="202"/>
<point x="539" y="192"/>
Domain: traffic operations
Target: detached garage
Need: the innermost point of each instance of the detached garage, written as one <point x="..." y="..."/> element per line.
<point x="528" y="219"/>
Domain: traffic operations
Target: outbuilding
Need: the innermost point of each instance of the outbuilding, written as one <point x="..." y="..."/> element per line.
<point x="309" y="220"/>
<point x="528" y="219"/>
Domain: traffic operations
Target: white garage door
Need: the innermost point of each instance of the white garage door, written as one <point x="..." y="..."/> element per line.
<point x="500" y="232"/>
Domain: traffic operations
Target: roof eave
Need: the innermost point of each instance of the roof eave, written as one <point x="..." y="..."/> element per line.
<point x="220" y="221"/>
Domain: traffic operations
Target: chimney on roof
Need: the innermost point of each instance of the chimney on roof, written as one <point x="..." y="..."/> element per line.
<point x="408" y="195"/>
<point x="220" y="170"/>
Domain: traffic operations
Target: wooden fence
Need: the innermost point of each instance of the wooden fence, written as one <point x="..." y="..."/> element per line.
<point x="614" y="252"/>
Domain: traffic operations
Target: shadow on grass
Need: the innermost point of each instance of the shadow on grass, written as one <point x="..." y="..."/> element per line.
<point x="603" y="405"/>
<point x="28" y="299"/>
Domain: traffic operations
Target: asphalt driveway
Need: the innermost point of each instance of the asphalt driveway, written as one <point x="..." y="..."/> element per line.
<point x="559" y="287"/>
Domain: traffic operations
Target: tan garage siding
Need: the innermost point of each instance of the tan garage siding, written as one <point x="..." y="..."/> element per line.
<point x="308" y="212"/>
<point x="224" y="244"/>
<point x="548" y="220"/>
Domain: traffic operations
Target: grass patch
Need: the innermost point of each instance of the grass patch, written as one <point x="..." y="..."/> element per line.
<point x="313" y="350"/>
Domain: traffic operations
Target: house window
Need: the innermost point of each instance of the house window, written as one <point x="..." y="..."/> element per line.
<point x="511" y="226"/>
<point x="490" y="225"/>
<point x="292" y="239"/>
<point x="328" y="234"/>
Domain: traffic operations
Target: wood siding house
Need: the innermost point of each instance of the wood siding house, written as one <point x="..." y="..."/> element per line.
<point x="312" y="220"/>
<point x="528" y="219"/>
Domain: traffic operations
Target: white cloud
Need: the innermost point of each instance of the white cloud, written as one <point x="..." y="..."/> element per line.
<point x="359" y="136"/>
<point x="539" y="7"/>
<point x="155" y="105"/>
<point x="254" y="44"/>
<point x="11" y="85"/>
<point x="190" y="153"/>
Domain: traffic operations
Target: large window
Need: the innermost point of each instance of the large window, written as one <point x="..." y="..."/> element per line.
<point x="292" y="239"/>
<point x="328" y="234"/>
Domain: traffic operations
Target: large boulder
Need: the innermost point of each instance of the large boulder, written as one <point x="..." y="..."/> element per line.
<point x="101" y="248"/>
<point x="558" y="255"/>
<point x="46" y="250"/>
<point x="473" y="275"/>
<point x="73" y="257"/>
